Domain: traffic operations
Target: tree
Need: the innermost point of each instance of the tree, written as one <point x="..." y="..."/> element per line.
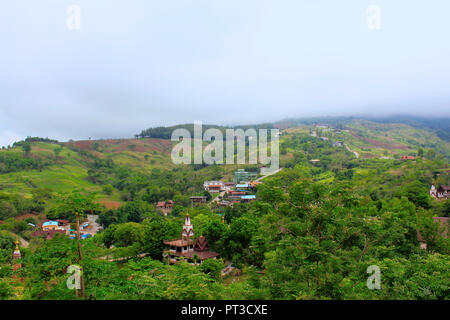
<point x="155" y="232"/>
<point x="420" y="152"/>
<point x="108" y="189"/>
<point x="58" y="150"/>
<point x="77" y="204"/>
<point x="6" y="290"/>
<point x="126" y="234"/>
<point x="212" y="267"/>
<point x="7" y="210"/>
<point x="134" y="211"/>
<point x="26" y="147"/>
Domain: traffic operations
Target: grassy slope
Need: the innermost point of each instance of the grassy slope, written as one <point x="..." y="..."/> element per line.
<point x="372" y="139"/>
<point x="69" y="170"/>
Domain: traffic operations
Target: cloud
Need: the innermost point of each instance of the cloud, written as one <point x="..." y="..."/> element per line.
<point x="147" y="63"/>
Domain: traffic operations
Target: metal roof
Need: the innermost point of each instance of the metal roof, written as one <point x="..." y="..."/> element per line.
<point x="50" y="223"/>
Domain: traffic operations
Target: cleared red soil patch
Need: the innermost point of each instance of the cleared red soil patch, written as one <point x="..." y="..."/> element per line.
<point x="380" y="144"/>
<point x="109" y="204"/>
<point x="83" y="144"/>
<point x="27" y="215"/>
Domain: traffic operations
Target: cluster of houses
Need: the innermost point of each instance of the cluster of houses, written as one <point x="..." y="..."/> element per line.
<point x="49" y="229"/>
<point x="441" y="193"/>
<point x="240" y="190"/>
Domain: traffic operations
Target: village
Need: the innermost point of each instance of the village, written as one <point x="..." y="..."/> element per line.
<point x="226" y="194"/>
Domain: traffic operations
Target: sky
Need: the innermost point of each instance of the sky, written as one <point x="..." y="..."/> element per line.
<point x="137" y="64"/>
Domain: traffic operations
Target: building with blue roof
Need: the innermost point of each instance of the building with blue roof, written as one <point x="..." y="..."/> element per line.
<point x="248" y="198"/>
<point x="50" y="225"/>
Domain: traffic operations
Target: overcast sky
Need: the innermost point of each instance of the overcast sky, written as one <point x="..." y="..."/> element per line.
<point x="135" y="64"/>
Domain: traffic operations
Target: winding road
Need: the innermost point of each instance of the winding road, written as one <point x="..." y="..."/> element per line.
<point x="354" y="152"/>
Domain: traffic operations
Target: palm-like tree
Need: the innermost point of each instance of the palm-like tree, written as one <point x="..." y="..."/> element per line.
<point x="78" y="204"/>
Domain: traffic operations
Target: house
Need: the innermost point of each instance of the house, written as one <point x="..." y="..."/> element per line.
<point x="433" y="191"/>
<point x="186" y="247"/>
<point x="313" y="161"/>
<point x="248" y="198"/>
<point x="242" y="186"/>
<point x="213" y="186"/>
<point x="440" y="193"/>
<point x="165" y="206"/>
<point x="198" y="200"/>
<point x="407" y="158"/>
<point x="62" y="222"/>
<point x="50" y="225"/>
<point x="337" y="144"/>
<point x="228" y="185"/>
<point x="254" y="184"/>
<point x="236" y="194"/>
<point x="443" y="192"/>
<point x="225" y="203"/>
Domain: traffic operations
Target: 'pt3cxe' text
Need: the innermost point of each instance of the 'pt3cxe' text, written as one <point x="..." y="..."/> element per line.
<point x="230" y="309"/>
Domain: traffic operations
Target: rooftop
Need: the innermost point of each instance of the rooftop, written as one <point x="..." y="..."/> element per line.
<point x="178" y="242"/>
<point x="50" y="223"/>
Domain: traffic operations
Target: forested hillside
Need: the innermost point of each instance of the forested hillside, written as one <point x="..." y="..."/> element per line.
<point x="343" y="201"/>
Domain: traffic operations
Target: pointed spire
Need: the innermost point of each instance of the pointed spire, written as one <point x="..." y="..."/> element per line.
<point x="188" y="229"/>
<point x="16" y="254"/>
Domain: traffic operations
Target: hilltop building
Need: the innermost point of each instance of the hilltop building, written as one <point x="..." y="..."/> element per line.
<point x="187" y="248"/>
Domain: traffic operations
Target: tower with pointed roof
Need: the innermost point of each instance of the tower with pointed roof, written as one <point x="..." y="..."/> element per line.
<point x="186" y="247"/>
<point x="16" y="256"/>
<point x="188" y="229"/>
